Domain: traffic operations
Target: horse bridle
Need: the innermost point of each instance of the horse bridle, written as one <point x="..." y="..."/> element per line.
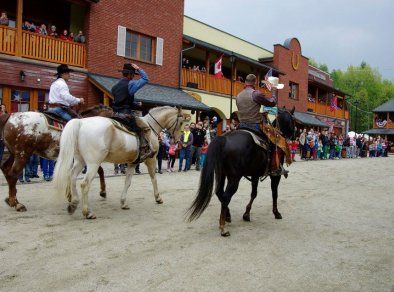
<point x="175" y="124"/>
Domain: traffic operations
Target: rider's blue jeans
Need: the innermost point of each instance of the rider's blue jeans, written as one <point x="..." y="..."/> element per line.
<point x="61" y="112"/>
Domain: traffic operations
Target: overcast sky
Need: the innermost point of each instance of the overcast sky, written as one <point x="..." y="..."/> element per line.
<point x="336" y="32"/>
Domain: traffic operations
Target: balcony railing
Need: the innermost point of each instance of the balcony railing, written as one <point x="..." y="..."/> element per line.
<point x="388" y="125"/>
<point x="323" y="109"/>
<point x="207" y="82"/>
<point x="44" y="48"/>
<point x="7" y="40"/>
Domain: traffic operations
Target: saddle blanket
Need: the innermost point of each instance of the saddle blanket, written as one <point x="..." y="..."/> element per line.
<point x="121" y="127"/>
<point x="54" y="123"/>
<point x="258" y="140"/>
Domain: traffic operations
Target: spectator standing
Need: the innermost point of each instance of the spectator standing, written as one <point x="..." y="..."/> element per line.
<point x="204" y="150"/>
<point x="71" y="37"/>
<point x="64" y="35"/>
<point x="185" y="142"/>
<point x="42" y="30"/>
<point x="47" y="169"/>
<point x="324" y="141"/>
<point x="80" y="38"/>
<point x="198" y="140"/>
<point x="52" y="31"/>
<point x="171" y="155"/>
<point x="4" y="19"/>
<point x="163" y="143"/>
<point x="302" y="144"/>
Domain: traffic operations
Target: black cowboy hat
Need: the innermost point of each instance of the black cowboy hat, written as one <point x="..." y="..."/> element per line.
<point x="63" y="68"/>
<point x="128" y="68"/>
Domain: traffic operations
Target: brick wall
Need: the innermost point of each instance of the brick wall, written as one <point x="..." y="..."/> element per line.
<point x="283" y="55"/>
<point x="156" y="18"/>
<point x="10" y="77"/>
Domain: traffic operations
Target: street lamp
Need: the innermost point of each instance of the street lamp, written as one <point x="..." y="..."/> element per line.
<point x="232" y="60"/>
<point x="356" y="103"/>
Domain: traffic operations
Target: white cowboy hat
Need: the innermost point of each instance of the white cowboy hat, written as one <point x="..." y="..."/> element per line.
<point x="275" y="82"/>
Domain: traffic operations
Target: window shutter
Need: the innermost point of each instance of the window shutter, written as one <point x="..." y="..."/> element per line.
<point x="121" y="48"/>
<point x="159" y="51"/>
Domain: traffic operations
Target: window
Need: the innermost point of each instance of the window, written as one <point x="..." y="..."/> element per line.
<point x="139" y="47"/>
<point x="20" y="100"/>
<point x="294" y="90"/>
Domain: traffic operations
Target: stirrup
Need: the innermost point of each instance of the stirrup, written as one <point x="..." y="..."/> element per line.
<point x="280" y="171"/>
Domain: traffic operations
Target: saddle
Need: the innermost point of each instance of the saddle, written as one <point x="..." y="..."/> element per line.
<point x="126" y="122"/>
<point x="54" y="121"/>
<point x="259" y="139"/>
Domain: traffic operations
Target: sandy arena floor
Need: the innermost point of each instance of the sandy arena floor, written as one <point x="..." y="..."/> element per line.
<point x="337" y="234"/>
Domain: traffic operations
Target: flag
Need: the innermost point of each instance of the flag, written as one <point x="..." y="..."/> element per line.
<point x="333" y="103"/>
<point x="269" y="74"/>
<point x="218" y="67"/>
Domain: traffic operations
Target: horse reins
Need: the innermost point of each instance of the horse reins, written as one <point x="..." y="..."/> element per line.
<point x="175" y="124"/>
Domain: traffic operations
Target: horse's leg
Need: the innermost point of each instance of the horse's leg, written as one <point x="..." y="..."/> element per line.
<point x="127" y="182"/>
<point x="151" y="164"/>
<point x="85" y="186"/>
<point x="103" y="192"/>
<point x="255" y="182"/>
<point x="74" y="198"/>
<point x="219" y="192"/>
<point x="225" y="198"/>
<point x="274" y="187"/>
<point x="11" y="169"/>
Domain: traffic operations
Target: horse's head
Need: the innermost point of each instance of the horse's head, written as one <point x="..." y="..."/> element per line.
<point x="98" y="110"/>
<point x="286" y="122"/>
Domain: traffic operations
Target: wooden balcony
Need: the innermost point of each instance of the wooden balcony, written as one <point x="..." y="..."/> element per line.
<point x="207" y="82"/>
<point x="323" y="109"/>
<point x="43" y="48"/>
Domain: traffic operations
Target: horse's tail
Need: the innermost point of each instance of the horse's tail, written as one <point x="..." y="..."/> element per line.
<point x="213" y="165"/>
<point x="68" y="145"/>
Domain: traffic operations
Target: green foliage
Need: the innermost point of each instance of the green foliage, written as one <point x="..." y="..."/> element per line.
<point x="367" y="88"/>
<point x="321" y="66"/>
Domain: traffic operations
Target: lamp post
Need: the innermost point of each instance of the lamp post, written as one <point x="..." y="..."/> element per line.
<point x="232" y="60"/>
<point x="356" y="103"/>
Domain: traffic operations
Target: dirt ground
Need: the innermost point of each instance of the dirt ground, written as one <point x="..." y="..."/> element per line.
<point x="336" y="235"/>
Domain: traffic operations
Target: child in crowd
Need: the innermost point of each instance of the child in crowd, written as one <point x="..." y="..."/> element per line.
<point x="171" y="155"/>
<point x="320" y="149"/>
<point x="204" y="150"/>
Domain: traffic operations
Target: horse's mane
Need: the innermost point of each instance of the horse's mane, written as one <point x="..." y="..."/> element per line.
<point x="99" y="107"/>
<point x="160" y="108"/>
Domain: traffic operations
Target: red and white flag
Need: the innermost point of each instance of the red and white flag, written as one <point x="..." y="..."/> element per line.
<point x="218" y="67"/>
<point x="269" y="74"/>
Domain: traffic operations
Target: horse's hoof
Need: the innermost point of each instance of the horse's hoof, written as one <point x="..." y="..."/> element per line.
<point x="246" y="217"/>
<point x="277" y="215"/>
<point x="225" y="234"/>
<point x="20" y="208"/>
<point x="125" y="207"/>
<point x="103" y="194"/>
<point x="71" y="208"/>
<point x="90" y="215"/>
<point x="159" y="201"/>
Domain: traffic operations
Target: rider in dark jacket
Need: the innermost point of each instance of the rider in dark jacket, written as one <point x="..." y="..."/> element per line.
<point x="124" y="104"/>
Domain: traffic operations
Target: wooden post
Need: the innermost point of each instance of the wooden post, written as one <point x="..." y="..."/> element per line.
<point x="19" y="16"/>
<point x="33" y="100"/>
<point x="106" y="100"/>
<point x="387" y="120"/>
<point x="316" y="99"/>
<point x="7" y="98"/>
<point x="207" y="64"/>
<point x="258" y="78"/>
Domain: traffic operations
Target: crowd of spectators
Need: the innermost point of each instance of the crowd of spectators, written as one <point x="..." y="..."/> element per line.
<point x="315" y="145"/>
<point x="45" y="30"/>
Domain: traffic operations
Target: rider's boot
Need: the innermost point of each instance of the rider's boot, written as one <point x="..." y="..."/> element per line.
<point x="146" y="149"/>
<point x="277" y="168"/>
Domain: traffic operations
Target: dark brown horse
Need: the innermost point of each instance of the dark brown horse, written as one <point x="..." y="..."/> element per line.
<point x="232" y="157"/>
<point x="27" y="133"/>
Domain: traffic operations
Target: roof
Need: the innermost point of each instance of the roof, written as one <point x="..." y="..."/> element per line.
<point x="380" y="132"/>
<point x="386" y="107"/>
<point x="308" y="119"/>
<point x="207" y="33"/>
<point x="152" y="93"/>
<point x="327" y="87"/>
<point x="229" y="53"/>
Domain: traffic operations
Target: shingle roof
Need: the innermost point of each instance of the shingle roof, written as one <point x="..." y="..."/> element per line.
<point x="310" y="120"/>
<point x="386" y="107"/>
<point x="380" y="132"/>
<point x="153" y="93"/>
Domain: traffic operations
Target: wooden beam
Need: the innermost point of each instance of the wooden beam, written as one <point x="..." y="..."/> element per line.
<point x="106" y="100"/>
<point x="207" y="64"/>
<point x="19" y="20"/>
<point x="7" y="98"/>
<point x="33" y="99"/>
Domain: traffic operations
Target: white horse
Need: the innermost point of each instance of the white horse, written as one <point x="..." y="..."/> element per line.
<point x="95" y="140"/>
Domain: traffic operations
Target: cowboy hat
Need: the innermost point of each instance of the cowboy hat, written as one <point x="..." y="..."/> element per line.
<point x="128" y="68"/>
<point x="275" y="82"/>
<point x="63" y="68"/>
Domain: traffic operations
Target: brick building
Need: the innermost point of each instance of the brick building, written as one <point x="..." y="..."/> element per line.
<point x="148" y="33"/>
